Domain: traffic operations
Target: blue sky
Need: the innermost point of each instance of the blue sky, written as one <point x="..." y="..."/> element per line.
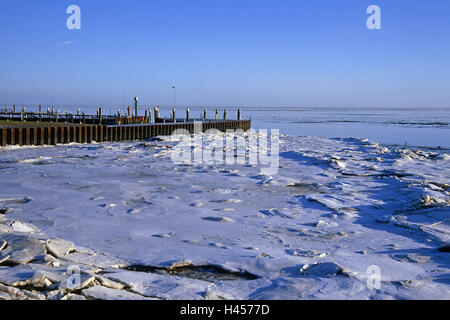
<point x="226" y="53"/>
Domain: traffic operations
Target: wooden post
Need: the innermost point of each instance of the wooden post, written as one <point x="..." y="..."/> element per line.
<point x="12" y="136"/>
<point x="40" y="113"/>
<point x="46" y="135"/>
<point x="100" y="134"/>
<point x="90" y="134"/>
<point x="27" y="139"/>
<point x="217" y="114"/>
<point x="136" y="106"/>
<point x="204" y="114"/>
<point x="3" y="136"/>
<point x="60" y="134"/>
<point x="64" y="135"/>
<point x="34" y="136"/>
<point x="225" y="114"/>
<point x="187" y="114"/>
<point x="156" y="113"/>
<point x="100" y="115"/>
<point x="239" y="114"/>
<point x="83" y="133"/>
<point x="53" y="139"/>
<point x="174" y="119"/>
<point x="71" y="134"/>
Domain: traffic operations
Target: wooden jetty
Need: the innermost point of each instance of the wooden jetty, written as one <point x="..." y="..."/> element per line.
<point x="23" y="129"/>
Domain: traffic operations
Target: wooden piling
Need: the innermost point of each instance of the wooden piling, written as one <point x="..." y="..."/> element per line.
<point x="39" y="140"/>
<point x="27" y="138"/>
<point x="46" y="136"/>
<point x="88" y="134"/>
<point x="3" y="136"/>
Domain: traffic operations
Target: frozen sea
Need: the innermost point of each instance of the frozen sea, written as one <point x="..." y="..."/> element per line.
<point x="390" y="126"/>
<point x="414" y="127"/>
<point x="357" y="210"/>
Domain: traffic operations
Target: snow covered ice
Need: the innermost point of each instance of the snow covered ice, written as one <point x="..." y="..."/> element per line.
<point x="140" y="226"/>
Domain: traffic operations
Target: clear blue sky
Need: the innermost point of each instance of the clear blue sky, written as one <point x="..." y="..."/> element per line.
<point x="227" y="52"/>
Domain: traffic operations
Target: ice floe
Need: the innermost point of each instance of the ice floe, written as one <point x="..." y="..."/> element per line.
<point x="335" y="209"/>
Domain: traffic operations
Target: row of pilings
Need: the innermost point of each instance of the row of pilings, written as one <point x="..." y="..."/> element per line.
<point x="39" y="135"/>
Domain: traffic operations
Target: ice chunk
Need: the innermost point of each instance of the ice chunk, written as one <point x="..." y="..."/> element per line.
<point x="59" y="248"/>
<point x="23" y="249"/>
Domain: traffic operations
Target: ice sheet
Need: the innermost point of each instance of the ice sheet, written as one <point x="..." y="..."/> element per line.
<point x="335" y="203"/>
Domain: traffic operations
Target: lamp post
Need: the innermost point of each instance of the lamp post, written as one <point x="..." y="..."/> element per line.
<point x="174" y="96"/>
<point x="136" y="106"/>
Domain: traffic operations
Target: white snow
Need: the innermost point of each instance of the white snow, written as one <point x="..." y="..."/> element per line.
<point x="335" y="204"/>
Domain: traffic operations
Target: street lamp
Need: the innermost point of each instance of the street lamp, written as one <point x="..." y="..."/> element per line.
<point x="136" y="106"/>
<point x="174" y="97"/>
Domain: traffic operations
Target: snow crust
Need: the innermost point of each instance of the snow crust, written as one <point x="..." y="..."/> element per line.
<point x="335" y="208"/>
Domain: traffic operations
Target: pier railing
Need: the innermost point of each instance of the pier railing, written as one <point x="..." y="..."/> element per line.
<point x="52" y="116"/>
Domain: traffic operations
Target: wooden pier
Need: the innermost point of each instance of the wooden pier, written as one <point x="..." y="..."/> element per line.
<point x="53" y="127"/>
<point x="63" y="133"/>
